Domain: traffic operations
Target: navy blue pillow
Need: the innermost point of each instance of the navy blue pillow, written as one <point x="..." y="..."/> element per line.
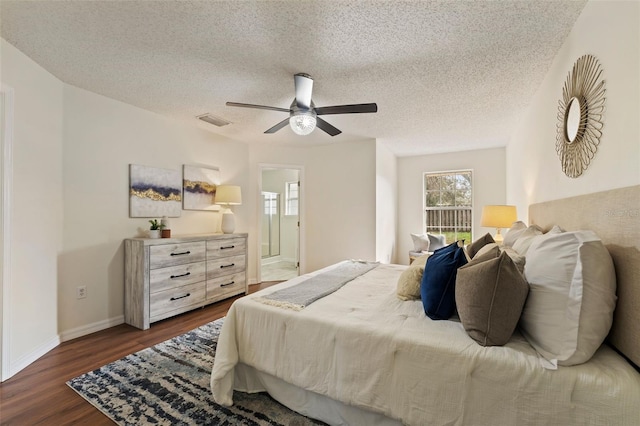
<point x="438" y="285"/>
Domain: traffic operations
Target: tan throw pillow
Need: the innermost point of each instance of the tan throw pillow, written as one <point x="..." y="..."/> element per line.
<point x="518" y="259"/>
<point x="490" y="295"/>
<point x="472" y="249"/>
<point x="492" y="247"/>
<point x="409" y="281"/>
<point x="421" y="260"/>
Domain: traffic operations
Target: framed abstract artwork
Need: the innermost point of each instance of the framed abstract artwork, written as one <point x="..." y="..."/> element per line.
<point x="154" y="192"/>
<point x="199" y="187"/>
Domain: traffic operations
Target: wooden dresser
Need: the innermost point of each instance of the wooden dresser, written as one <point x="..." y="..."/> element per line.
<point x="165" y="277"/>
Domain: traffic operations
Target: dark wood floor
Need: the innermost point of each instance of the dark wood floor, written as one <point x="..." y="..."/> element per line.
<point x="39" y="394"/>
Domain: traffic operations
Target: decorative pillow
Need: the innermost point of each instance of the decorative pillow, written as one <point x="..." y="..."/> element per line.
<point x="436" y="241"/>
<point x="572" y="296"/>
<point x="472" y="249"/>
<point x="491" y="247"/>
<point x="409" y="280"/>
<point x="513" y="233"/>
<point x="517" y="259"/>
<point x="437" y="289"/>
<point x="421" y="242"/>
<point x="522" y="244"/>
<point x="495" y="249"/>
<point x="420" y="261"/>
<point x="490" y="295"/>
<point x="409" y="283"/>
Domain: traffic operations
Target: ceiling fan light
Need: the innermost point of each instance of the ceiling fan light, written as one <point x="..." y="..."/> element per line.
<point x="303" y="124"/>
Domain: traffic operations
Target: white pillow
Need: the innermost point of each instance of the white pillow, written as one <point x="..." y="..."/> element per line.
<point x="437" y="241"/>
<point x="523" y="242"/>
<point x="421" y="242"/>
<point x="572" y="296"/>
<point x="513" y="233"/>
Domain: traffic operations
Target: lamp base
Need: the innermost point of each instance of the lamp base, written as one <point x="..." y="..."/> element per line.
<point x="498" y="238"/>
<point x="228" y="222"/>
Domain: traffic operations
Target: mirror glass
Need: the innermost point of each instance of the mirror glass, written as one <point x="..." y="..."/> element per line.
<point x="572" y="120"/>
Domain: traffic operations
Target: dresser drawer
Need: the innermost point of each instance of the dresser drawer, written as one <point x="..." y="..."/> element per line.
<point x="176" y="299"/>
<point x="225" y="266"/>
<point x="175" y="276"/>
<point x="224" y="248"/>
<point x="176" y="254"/>
<point x="217" y="288"/>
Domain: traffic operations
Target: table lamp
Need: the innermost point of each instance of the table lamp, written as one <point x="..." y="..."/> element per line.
<point x="228" y="195"/>
<point x="498" y="217"/>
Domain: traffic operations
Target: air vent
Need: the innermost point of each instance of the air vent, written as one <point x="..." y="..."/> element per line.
<point x="212" y="119"/>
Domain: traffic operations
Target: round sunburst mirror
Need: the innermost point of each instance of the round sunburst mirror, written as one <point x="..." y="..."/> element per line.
<point x="580" y="112"/>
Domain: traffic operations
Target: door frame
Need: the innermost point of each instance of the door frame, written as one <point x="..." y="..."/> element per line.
<point x="301" y="215"/>
<point x="6" y="185"/>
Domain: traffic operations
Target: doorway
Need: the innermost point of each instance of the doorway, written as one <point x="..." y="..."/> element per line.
<point x="280" y="223"/>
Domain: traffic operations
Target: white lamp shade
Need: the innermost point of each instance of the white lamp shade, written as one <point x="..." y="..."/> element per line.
<point x="228" y="195"/>
<point x="498" y="216"/>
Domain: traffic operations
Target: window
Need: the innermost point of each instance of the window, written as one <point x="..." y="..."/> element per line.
<point x="291" y="197"/>
<point x="448" y="204"/>
<point x="270" y="203"/>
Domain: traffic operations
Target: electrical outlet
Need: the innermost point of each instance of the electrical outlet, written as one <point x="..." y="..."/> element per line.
<point x="81" y="292"/>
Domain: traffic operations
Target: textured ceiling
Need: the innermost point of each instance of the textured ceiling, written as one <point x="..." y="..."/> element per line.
<point x="446" y="75"/>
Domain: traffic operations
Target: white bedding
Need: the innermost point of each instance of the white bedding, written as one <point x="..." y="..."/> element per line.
<point x="366" y="348"/>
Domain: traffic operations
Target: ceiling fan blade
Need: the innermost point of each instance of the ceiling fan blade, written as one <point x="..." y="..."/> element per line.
<point x="323" y="125"/>
<point x="347" y="109"/>
<point x="278" y="126"/>
<point x="304" y="87"/>
<point x="236" y="104"/>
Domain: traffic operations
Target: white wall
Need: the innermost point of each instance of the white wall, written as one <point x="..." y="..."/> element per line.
<point x="489" y="187"/>
<point x="101" y="138"/>
<point x="338" y="199"/>
<point x="36" y="208"/>
<point x="386" y="204"/>
<point x="609" y="30"/>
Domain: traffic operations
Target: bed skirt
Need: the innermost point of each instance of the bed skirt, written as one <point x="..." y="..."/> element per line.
<point x="310" y="404"/>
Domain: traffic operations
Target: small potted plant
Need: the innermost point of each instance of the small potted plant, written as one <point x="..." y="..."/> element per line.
<point x="156" y="227"/>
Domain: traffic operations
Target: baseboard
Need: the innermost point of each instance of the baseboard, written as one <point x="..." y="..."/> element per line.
<point x="74" y="333"/>
<point x="28" y="359"/>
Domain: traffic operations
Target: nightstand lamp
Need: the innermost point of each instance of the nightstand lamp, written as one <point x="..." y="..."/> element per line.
<point x="498" y="217"/>
<point x="228" y="195"/>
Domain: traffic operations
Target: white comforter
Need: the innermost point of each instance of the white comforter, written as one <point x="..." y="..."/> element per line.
<point x="363" y="346"/>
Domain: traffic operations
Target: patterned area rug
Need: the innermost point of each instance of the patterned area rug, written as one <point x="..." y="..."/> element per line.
<point x="168" y="384"/>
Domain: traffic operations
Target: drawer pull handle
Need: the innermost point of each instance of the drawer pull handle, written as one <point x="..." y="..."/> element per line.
<point x="227" y="284"/>
<point x="180" y="297"/>
<point x="180" y="254"/>
<point x="227" y="266"/>
<point x="227" y="247"/>
<point x="182" y="275"/>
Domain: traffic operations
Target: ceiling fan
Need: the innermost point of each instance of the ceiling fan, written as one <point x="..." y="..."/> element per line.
<point x="303" y="114"/>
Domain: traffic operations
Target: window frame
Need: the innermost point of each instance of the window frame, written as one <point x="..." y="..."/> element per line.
<point x="288" y="209"/>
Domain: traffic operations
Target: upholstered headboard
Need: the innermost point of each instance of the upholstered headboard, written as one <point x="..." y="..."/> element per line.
<point x="614" y="216"/>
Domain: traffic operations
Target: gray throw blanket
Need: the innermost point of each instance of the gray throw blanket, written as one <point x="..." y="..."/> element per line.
<point x="301" y="295"/>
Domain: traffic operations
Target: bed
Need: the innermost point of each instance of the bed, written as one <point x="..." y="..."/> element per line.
<point x="360" y="355"/>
